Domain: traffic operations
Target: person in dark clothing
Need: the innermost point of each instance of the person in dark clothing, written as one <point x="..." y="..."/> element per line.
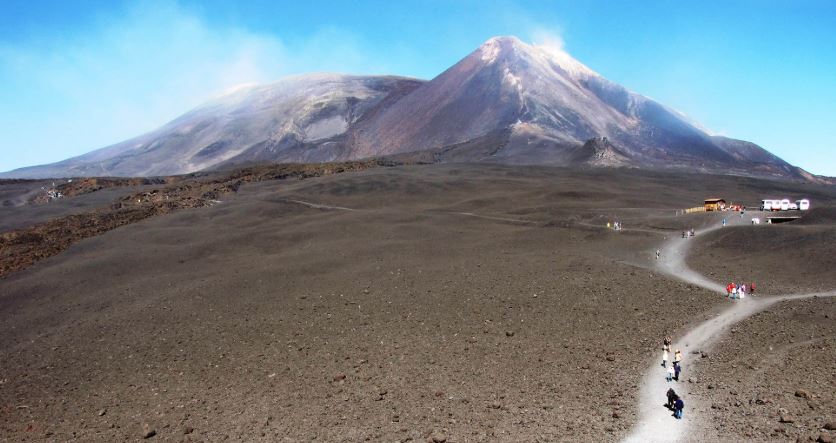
<point x="676" y="369"/>
<point x="678" y="406"/>
<point x="671" y="398"/>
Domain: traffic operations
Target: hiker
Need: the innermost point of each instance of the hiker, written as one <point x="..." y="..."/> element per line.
<point x="677" y="357"/>
<point x="692" y="232"/>
<point x="683" y="234"/>
<point x="724" y="222"/>
<point x="728" y="289"/>
<point x="742" y="291"/>
<point x="733" y="291"/>
<point x="658" y="253"/>
<point x="671" y="394"/>
<point x="664" y="356"/>
<point x="676" y="369"/>
<point x="678" y="406"/>
<point x="752" y="288"/>
<point x="670" y="375"/>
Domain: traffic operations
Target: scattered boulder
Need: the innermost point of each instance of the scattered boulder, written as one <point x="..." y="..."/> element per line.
<point x="824" y="437"/>
<point x="148" y="431"/>
<point x="188" y="430"/>
<point x="830" y="426"/>
<point x="509" y="333"/>
<point x="102" y="412"/>
<point x="803" y="393"/>
<point x="785" y="418"/>
<point x="339" y="377"/>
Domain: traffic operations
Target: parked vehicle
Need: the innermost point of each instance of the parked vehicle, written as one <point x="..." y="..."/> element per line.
<point x="793" y="206"/>
<point x="766" y="205"/>
<point x="785" y="204"/>
<point x="803" y="204"/>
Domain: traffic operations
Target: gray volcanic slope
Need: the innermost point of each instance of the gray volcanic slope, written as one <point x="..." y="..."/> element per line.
<point x="267" y="122"/>
<point x="549" y="105"/>
<point x="507" y="102"/>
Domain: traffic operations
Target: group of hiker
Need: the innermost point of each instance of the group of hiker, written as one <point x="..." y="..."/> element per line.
<point x="674" y="403"/>
<point x="614" y="225"/>
<point x="735" y="292"/>
<point x="688" y="233"/>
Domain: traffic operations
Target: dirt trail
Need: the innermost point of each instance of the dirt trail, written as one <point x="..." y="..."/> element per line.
<point x="320" y="206"/>
<point x="488" y="217"/>
<point x="656" y="423"/>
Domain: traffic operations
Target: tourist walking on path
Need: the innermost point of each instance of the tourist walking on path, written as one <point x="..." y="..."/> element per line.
<point x="676" y="368"/>
<point x="669" y="377"/>
<point x="734" y="292"/>
<point x="678" y="406"/>
<point x="671" y="394"/>
<point x="664" y="355"/>
<point x="658" y="254"/>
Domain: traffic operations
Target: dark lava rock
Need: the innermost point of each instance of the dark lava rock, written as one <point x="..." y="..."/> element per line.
<point x="830" y="426"/>
<point x="802" y="393"/>
<point x="148" y="431"/>
<point x="824" y="437"/>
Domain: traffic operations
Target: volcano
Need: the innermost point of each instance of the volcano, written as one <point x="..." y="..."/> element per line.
<point x="507" y="102"/>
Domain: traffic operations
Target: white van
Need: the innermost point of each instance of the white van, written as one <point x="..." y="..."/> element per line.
<point x="803" y="204"/>
<point x="785" y="204"/>
<point x="766" y="205"/>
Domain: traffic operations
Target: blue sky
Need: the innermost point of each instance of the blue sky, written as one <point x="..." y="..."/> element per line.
<point x="76" y="76"/>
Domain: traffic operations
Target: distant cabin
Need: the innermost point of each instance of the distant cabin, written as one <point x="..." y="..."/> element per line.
<point x="715" y="204"/>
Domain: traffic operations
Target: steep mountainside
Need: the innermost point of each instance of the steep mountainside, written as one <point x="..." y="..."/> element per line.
<point x="552" y="105"/>
<point x="255" y="123"/>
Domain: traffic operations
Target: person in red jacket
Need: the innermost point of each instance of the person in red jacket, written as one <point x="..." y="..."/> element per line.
<point x="752" y="288"/>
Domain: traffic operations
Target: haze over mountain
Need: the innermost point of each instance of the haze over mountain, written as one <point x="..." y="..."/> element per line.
<point x="507" y="102"/>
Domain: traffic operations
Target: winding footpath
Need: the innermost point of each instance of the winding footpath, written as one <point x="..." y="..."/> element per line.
<point x="656" y="423"/>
